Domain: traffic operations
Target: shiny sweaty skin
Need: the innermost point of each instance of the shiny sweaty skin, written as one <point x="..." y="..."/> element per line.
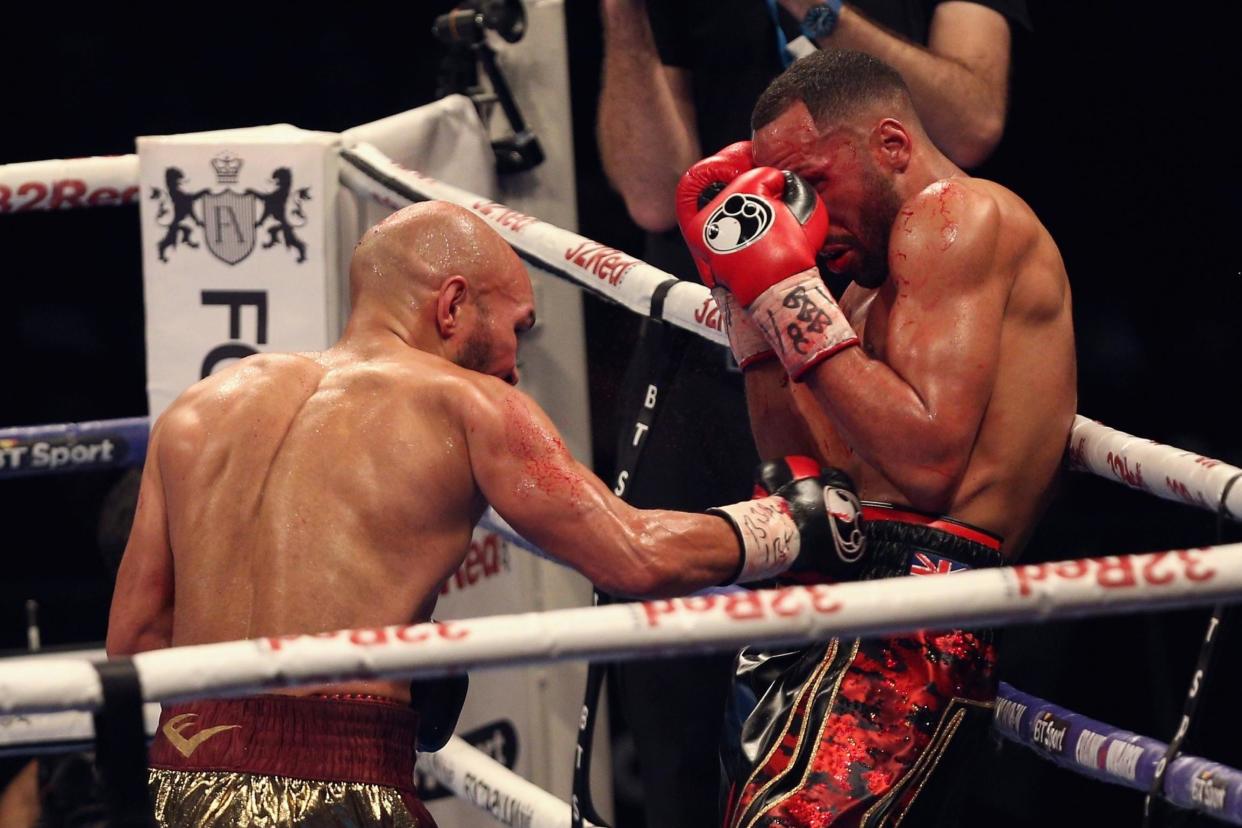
<point x="295" y="493"/>
<point x="960" y="399"/>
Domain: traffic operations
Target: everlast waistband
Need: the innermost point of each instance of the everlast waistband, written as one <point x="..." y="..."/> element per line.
<point x="366" y="740"/>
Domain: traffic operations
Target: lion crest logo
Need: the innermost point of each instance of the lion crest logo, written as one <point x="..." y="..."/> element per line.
<point x="229" y="220"/>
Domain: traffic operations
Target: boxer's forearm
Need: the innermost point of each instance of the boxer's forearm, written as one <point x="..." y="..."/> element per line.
<point x="775" y="423"/>
<point x="126" y="637"/>
<point x="663" y="553"/>
<point x="920" y="450"/>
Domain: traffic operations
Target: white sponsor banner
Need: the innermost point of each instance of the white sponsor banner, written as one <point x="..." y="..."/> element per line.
<point x="238" y="236"/>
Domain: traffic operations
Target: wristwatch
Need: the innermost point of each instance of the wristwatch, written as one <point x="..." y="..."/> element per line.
<point x="822" y="19"/>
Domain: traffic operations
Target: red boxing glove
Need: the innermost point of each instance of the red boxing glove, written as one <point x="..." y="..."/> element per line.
<point x="763" y="226"/>
<point x="759" y="237"/>
<point x="698" y="186"/>
<point x="702" y="183"/>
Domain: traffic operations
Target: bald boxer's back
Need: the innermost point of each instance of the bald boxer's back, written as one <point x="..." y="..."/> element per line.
<point x="314" y="492"/>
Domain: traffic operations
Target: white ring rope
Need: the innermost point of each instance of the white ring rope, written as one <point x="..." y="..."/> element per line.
<point x="467" y="772"/>
<point x="1028" y="593"/>
<point x="698" y="623"/>
<point x="64" y="184"/>
<point x="591" y="265"/>
<point x="1167" y="472"/>
<point x="477" y="778"/>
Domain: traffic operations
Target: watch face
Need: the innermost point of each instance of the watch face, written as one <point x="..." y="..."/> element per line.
<point x="819" y="21"/>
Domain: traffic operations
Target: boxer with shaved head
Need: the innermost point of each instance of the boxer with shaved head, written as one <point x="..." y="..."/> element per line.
<point x="298" y="493"/>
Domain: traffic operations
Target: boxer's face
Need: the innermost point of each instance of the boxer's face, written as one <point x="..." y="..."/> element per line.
<point x="861" y="199"/>
<point x="503" y="314"/>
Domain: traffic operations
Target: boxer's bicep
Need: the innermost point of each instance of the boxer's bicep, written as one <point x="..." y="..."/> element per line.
<point x="944" y="333"/>
<point x="142" y="601"/>
<point x="527" y="474"/>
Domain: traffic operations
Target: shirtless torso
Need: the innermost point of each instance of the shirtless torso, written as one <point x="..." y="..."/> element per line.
<point x="296" y="493"/>
<point x="943" y="380"/>
<point x="314" y="492"/>
<point x="961" y="397"/>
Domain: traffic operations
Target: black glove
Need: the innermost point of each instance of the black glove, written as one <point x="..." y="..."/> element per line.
<point x="804" y="521"/>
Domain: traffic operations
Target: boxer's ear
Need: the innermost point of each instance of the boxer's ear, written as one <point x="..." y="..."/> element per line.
<point x="892" y="144"/>
<point x="450" y="302"/>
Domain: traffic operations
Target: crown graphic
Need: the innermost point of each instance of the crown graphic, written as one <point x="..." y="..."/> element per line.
<point x="227" y="166"/>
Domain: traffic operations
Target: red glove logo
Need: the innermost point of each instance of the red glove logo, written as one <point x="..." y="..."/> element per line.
<point x="741" y="221"/>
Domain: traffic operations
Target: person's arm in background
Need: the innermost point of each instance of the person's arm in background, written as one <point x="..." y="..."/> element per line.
<point x="959" y="81"/>
<point x="646" y="128"/>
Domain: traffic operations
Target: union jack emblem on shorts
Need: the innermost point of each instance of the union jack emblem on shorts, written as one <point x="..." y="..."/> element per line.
<point x="926" y="564"/>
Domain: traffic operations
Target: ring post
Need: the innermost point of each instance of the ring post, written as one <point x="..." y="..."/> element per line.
<point x="121" y="745"/>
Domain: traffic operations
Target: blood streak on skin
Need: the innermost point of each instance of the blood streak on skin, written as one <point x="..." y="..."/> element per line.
<point x="948" y="231"/>
<point x="907" y="215"/>
<point x="545" y="459"/>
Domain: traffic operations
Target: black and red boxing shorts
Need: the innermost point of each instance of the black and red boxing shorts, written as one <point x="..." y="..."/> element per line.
<point x="287" y="760"/>
<point x="866" y="732"/>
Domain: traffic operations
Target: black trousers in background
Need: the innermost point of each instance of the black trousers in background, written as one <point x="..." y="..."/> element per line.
<point x="699" y="453"/>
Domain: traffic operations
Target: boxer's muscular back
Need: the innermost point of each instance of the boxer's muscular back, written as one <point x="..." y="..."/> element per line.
<point x="314" y="492"/>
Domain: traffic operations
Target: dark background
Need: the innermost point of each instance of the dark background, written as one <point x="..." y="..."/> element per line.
<point x="1120" y="137"/>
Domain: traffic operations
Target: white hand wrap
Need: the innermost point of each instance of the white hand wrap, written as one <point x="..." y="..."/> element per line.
<point x="802" y="322"/>
<point x="748" y="343"/>
<point x="768" y="534"/>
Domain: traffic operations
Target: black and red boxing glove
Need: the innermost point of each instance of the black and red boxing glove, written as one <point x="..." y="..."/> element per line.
<point x="759" y="238"/>
<point x="802" y="519"/>
<point x="698" y="186"/>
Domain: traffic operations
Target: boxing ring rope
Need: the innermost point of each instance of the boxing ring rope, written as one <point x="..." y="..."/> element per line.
<point x="1069" y="740"/>
<point x="468" y="773"/>
<point x="70" y="183"/>
<point x="595" y="267"/>
<point x="1026" y="593"/>
<point x="619" y="631"/>
<point x="1180" y="475"/>
<point x="72" y="447"/>
<point x="1007" y="595"/>
<point x="1108" y="754"/>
